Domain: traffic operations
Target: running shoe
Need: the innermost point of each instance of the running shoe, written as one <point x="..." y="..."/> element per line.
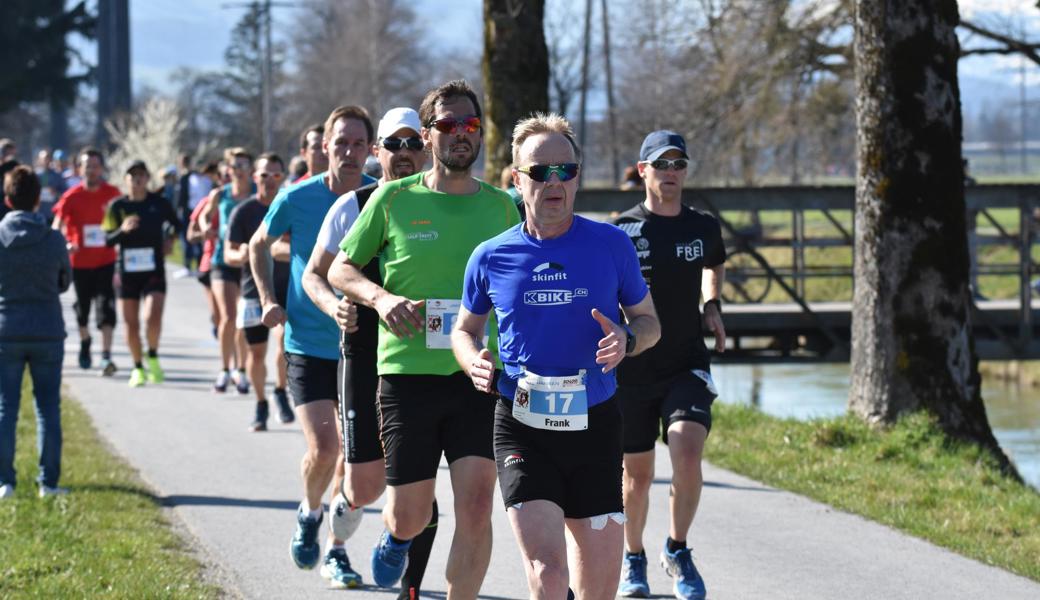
<point x="343" y="520"/>
<point x="108" y="368"/>
<point x="155" y="372"/>
<point x="285" y="412"/>
<point x="84" y="354"/>
<point x="47" y="491"/>
<point x="6" y="491"/>
<point x="260" y="420"/>
<point x="336" y="568"/>
<point x="137" y="377"/>
<point x="241" y="382"/>
<point x="688" y="584"/>
<point x="304" y="547"/>
<point x="633" y="576"/>
<point x="389" y="560"/>
<point x="220" y="385"/>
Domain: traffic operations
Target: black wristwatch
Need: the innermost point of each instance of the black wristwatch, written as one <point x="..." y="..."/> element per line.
<point x="630" y="339"/>
<point x="716" y="302"/>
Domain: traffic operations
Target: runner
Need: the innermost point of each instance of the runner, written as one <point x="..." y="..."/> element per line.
<point x="313" y="151"/>
<point x="311" y="337"/>
<point x="423" y="229"/>
<point x="141" y="223"/>
<point x="668" y="391"/>
<point x="244" y="221"/>
<point x="225" y="279"/>
<point x="555" y="283"/>
<point x="400" y="153"/>
<point x="78" y="215"/>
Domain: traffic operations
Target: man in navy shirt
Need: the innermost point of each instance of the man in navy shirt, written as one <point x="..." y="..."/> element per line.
<point x="556" y="283"/>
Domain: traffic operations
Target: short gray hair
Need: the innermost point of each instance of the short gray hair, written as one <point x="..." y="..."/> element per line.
<point x="542" y="123"/>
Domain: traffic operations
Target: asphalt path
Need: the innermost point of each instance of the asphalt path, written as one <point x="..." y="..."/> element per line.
<point x="236" y="493"/>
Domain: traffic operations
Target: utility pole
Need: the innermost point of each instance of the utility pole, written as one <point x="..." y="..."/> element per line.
<point x="585" y="76"/>
<point x="611" y="117"/>
<point x="113" y="31"/>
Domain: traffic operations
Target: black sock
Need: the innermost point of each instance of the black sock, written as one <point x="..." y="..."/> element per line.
<point x="418" y="556"/>
<point x="85" y="343"/>
<point x="153" y="353"/>
<point x="138" y="365"/>
<point x="641" y="553"/>
<point x="106" y="354"/>
<point x="397" y="541"/>
<point x="674" y="546"/>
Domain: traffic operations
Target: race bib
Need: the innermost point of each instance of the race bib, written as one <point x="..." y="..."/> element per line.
<point x="709" y="383"/>
<point x="93" y="236"/>
<point x="440" y="318"/>
<point x="250" y="313"/>
<point x="552" y="403"/>
<point x="138" y="260"/>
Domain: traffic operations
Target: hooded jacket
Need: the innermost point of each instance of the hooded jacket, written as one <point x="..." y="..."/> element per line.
<point x="34" y="271"/>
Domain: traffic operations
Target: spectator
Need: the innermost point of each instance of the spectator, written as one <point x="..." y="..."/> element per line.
<point x="34" y="271"/>
<point x="52" y="186"/>
<point x="631" y="179"/>
<point x="8" y="150"/>
<point x="5" y="167"/>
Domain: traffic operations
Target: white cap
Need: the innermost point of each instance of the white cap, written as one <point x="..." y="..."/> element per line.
<point x="396" y="118"/>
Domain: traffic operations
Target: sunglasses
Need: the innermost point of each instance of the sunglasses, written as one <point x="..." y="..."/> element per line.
<point x="394" y="144"/>
<point x="265" y="175"/>
<point x="542" y="173"/>
<point x="663" y="164"/>
<point x="469" y="124"/>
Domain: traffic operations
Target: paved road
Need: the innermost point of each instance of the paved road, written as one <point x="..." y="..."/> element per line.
<point x="237" y="491"/>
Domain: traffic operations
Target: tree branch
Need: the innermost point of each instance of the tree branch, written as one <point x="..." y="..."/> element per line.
<point x="1010" y="45"/>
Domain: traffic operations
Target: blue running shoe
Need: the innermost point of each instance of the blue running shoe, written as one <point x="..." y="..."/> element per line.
<point x="688" y="582"/>
<point x="389" y="560"/>
<point x="304" y="547"/>
<point x="633" y="576"/>
<point x="336" y="568"/>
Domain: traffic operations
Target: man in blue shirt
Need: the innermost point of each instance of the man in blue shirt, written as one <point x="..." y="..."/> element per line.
<point x="556" y="282"/>
<point x="311" y="336"/>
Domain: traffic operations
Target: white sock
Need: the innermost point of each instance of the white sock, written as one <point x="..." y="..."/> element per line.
<point x="313" y="515"/>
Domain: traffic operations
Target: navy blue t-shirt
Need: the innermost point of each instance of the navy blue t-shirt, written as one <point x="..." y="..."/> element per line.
<point x="543" y="293"/>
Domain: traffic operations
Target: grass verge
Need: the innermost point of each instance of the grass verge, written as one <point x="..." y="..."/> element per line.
<point x="107" y="538"/>
<point x="908" y="476"/>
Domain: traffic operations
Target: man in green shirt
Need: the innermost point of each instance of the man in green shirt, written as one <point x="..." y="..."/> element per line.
<point x="424" y="228"/>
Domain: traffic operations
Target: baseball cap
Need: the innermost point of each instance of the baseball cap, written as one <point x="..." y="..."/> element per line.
<point x="137" y="165"/>
<point x="396" y="118"/>
<point x="659" y="142"/>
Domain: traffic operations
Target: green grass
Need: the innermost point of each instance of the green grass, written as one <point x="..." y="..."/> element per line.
<point x="108" y="538"/>
<point x="909" y="476"/>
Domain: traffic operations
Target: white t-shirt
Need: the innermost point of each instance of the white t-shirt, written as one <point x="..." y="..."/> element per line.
<point x="338" y="220"/>
<point x="199" y="187"/>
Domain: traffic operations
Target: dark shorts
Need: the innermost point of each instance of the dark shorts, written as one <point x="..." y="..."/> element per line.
<point x="226" y="274"/>
<point x="310" y="378"/>
<point x="579" y="471"/>
<point x="422" y="416"/>
<point x="134" y="286"/>
<point x="650" y="409"/>
<point x="358" y="406"/>
<point x="95" y="285"/>
<point x="256" y="334"/>
<point x="204" y="278"/>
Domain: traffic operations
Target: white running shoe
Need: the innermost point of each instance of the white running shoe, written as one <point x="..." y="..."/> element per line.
<point x="343" y="520"/>
<point x="46" y="491"/>
<point x="6" y="491"/>
<point x="220" y="385"/>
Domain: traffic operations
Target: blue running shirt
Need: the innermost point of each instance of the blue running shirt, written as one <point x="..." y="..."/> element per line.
<point x="543" y="293"/>
<point x="300" y="210"/>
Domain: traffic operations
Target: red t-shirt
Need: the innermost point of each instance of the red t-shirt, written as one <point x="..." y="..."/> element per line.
<point x="82" y="210"/>
<point x="209" y="244"/>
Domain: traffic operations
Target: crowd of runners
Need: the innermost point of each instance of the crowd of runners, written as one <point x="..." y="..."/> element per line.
<point x="419" y="313"/>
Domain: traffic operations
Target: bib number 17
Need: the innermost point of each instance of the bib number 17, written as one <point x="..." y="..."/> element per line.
<point x="565" y="397"/>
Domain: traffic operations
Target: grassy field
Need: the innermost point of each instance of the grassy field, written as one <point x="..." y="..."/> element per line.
<point x="107" y="539"/>
<point x="909" y="477"/>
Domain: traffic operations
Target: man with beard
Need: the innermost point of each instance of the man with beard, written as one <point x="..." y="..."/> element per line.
<point x="311" y="336"/>
<point x="422" y="229"/>
<point x="399" y="150"/>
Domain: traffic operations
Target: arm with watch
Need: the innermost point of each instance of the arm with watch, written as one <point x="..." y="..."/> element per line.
<point x="640" y="332"/>
<point x="711" y="290"/>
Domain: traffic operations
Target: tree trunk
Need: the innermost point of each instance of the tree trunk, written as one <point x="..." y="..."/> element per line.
<point x="912" y="342"/>
<point x="516" y="74"/>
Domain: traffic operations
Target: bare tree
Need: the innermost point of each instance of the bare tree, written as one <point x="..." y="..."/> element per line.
<point x="912" y="342"/>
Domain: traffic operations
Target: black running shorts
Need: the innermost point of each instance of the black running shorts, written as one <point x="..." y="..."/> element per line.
<point x="358" y="406"/>
<point x="226" y="274"/>
<point x="95" y="285"/>
<point x="310" y="378"/>
<point x="257" y="334"/>
<point x="422" y="416"/>
<point x="134" y="286"/>
<point x="650" y="409"/>
<point x="579" y="471"/>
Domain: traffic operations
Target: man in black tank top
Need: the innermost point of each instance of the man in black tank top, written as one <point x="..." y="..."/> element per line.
<point x="400" y="152"/>
<point x="668" y="389"/>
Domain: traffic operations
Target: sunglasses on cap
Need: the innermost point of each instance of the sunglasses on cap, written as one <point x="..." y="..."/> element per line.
<point x="542" y="173"/>
<point x="394" y="144"/>
<point x="469" y="124"/>
<point x="663" y="164"/>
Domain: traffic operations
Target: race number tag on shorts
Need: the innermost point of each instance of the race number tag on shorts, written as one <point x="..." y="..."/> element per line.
<point x="440" y="318"/>
<point x="552" y="403"/>
<point x="93" y="236"/>
<point x="138" y="260"/>
<point x="249" y="313"/>
<point x="708" y="381"/>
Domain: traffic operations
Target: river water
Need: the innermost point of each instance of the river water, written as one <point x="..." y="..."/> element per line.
<point x="821" y="390"/>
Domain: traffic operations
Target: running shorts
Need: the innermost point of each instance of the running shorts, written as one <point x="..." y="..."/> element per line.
<point x="134" y="286"/>
<point x="310" y="378"/>
<point x="226" y="274"/>
<point x="95" y="285"/>
<point x="422" y="416"/>
<point x="650" y="409"/>
<point x="579" y="471"/>
<point x="257" y="334"/>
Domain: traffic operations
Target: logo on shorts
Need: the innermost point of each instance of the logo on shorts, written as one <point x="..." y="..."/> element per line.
<point x="512" y="459"/>
<point x="559" y="275"/>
